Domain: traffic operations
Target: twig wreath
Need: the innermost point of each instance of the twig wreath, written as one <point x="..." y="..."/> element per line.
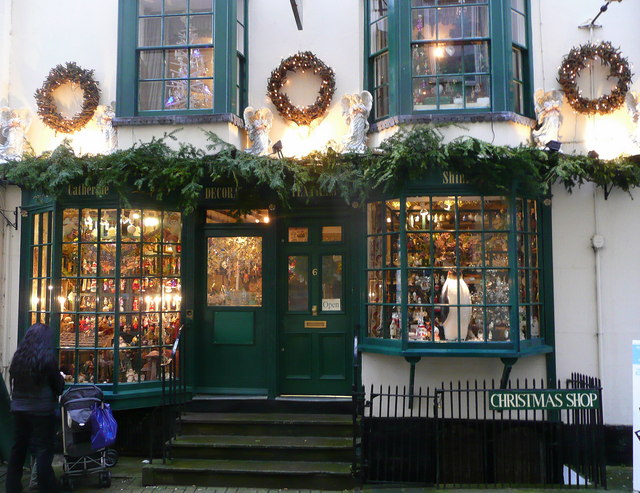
<point x="301" y="61"/>
<point x="47" y="108"/>
<point x="577" y="60"/>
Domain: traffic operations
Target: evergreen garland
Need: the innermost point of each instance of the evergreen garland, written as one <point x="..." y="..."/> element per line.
<point x="408" y="156"/>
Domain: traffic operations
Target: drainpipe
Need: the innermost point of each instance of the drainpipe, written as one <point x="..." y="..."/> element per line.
<point x="597" y="243"/>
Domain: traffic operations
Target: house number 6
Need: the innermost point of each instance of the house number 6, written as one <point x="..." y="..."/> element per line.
<point x="314" y="272"/>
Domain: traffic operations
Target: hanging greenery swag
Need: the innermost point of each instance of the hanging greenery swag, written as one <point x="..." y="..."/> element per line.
<point x="161" y="171"/>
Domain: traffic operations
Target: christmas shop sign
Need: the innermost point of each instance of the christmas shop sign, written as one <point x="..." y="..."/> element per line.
<point x="504" y="400"/>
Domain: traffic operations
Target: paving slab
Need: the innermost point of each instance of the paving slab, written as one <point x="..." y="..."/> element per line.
<point x="127" y="474"/>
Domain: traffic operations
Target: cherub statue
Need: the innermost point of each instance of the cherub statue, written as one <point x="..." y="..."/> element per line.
<point x="13" y="127"/>
<point x="355" y="109"/>
<point x="258" y="125"/>
<point x="104" y="116"/>
<point x="547" y="105"/>
<point x="633" y="107"/>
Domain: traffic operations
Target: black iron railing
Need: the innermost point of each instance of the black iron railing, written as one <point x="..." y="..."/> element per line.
<point x="358" y="395"/>
<point x="164" y="424"/>
<point x="450" y="436"/>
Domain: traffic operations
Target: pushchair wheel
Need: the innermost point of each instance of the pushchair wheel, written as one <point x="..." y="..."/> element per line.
<point x="105" y="479"/>
<point x="111" y="457"/>
<point x="66" y="483"/>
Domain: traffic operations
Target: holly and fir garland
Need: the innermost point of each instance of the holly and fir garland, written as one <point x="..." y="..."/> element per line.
<point x="304" y="60"/>
<point x="577" y="60"/>
<point x="47" y="107"/>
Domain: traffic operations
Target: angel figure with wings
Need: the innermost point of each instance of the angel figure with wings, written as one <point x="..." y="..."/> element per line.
<point x="104" y="118"/>
<point x="547" y="105"/>
<point x="633" y="107"/>
<point x="258" y="125"/>
<point x="355" y="109"/>
<point x="13" y="128"/>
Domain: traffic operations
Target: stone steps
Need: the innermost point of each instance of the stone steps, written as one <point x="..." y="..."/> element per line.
<point x="258" y="449"/>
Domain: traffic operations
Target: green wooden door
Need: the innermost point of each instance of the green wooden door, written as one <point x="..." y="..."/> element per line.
<point x="233" y="338"/>
<point x="315" y="333"/>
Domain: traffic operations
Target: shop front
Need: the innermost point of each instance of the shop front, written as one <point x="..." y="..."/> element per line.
<point x="264" y="301"/>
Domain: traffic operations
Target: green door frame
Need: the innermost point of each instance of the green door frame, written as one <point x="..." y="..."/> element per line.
<point x="261" y="344"/>
<point x="317" y="216"/>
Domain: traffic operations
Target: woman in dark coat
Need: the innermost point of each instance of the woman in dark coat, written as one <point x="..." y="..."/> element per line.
<point x="36" y="384"/>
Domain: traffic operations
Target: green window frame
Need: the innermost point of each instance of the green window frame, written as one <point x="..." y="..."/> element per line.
<point x="108" y="278"/>
<point x="166" y="61"/>
<point x="450" y="272"/>
<point x="119" y="292"/>
<point x="39" y="278"/>
<point x="451" y="56"/>
<point x="379" y="56"/>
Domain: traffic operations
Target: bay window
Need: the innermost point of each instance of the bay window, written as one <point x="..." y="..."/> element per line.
<point x="429" y="56"/>
<point x="454" y="271"/>
<point x="120" y="293"/>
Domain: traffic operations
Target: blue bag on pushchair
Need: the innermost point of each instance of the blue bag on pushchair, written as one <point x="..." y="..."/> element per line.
<point x="103" y="427"/>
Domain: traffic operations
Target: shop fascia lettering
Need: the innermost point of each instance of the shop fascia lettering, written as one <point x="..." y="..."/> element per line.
<point x="543" y="399"/>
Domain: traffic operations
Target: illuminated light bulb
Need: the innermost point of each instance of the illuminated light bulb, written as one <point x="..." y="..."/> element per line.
<point x="266" y="219"/>
<point x="62" y="300"/>
<point x="438" y="51"/>
<point x="151" y="221"/>
<point x="135" y="215"/>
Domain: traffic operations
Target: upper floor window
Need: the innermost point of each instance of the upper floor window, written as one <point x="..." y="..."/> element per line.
<point x="448" y="55"/>
<point x="178" y="56"/>
<point x="175" y="54"/>
<point x="379" y="52"/>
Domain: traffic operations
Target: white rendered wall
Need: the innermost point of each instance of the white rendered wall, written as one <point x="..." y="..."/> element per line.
<point x="333" y="31"/>
<point x="9" y="277"/>
<point x="555" y="32"/>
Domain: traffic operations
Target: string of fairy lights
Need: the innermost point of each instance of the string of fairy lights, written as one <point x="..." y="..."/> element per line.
<point x="47" y="107"/>
<point x="580" y="58"/>
<point x="301" y="61"/>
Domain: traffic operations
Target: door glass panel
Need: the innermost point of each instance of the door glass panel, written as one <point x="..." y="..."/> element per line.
<point x="298" y="282"/>
<point x="298" y="235"/>
<point x="331" y="233"/>
<point x="332" y="283"/>
<point x="234" y="271"/>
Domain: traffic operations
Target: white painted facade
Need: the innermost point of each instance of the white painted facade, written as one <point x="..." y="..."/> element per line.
<point x="596" y="316"/>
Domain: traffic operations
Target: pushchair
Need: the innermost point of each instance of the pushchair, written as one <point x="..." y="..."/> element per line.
<point x="79" y="458"/>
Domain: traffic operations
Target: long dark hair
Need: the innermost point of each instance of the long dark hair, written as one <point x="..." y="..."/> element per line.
<point x="34" y="354"/>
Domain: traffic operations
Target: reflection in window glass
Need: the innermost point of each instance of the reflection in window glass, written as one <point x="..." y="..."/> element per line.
<point x="332" y="283"/>
<point x="298" y="283"/>
<point x="169" y="78"/>
<point x="234" y="271"/>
